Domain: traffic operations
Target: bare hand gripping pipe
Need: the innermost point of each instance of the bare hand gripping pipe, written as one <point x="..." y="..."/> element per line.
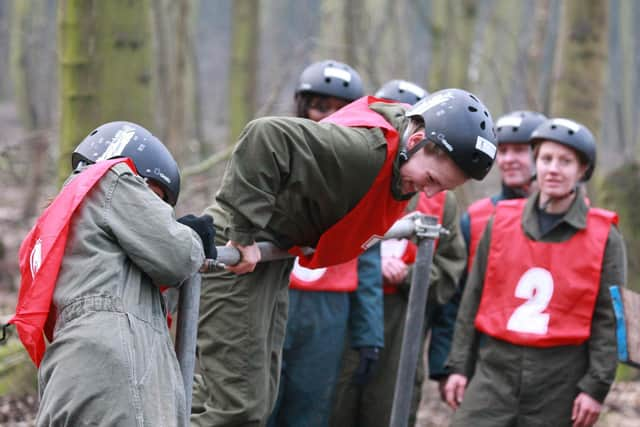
<point x="424" y="227"/>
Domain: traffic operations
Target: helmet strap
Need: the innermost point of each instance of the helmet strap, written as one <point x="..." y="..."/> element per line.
<point x="557" y="199"/>
<point x="405" y="153"/>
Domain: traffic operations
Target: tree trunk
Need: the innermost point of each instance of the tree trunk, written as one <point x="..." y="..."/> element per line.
<point x="614" y="147"/>
<point x="105" y="67"/>
<point x="5" y="42"/>
<point x="545" y="73"/>
<point x="244" y="60"/>
<point x="32" y="62"/>
<point x="177" y="132"/>
<point x="580" y="63"/>
<point x="635" y="72"/>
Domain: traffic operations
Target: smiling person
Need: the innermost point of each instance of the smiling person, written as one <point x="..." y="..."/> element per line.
<point x="335" y="185"/>
<point x="515" y="164"/>
<point x="325" y="303"/>
<point x="539" y="291"/>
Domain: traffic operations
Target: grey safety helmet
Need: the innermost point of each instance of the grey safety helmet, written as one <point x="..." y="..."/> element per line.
<point x="125" y="139"/>
<point x="516" y="127"/>
<point x="571" y="134"/>
<point x="331" y="78"/>
<point x="459" y="123"/>
<point x="401" y="91"/>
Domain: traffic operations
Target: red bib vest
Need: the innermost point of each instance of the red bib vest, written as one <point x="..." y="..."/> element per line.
<point x="541" y="294"/>
<point x="405" y="249"/>
<point x="336" y="278"/>
<point x="375" y="213"/>
<point x="479" y="214"/>
<point x="41" y="254"/>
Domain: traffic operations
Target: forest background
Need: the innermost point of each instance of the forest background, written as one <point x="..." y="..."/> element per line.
<point x="195" y="72"/>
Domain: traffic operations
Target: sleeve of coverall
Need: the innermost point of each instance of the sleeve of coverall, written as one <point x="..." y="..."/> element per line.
<point x="366" y="321"/>
<point x="146" y="229"/>
<point x="449" y="263"/>
<point x="253" y="177"/>
<point x="462" y="356"/>
<point x="602" y="342"/>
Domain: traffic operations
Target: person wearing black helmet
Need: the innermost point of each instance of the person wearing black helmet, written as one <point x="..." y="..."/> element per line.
<point x="325" y="87"/>
<point x="334" y="185"/>
<point x="401" y="91"/>
<point x="370" y="404"/>
<point x="325" y="303"/>
<point x="91" y="269"/>
<point x="515" y="164"/>
<point x="539" y="292"/>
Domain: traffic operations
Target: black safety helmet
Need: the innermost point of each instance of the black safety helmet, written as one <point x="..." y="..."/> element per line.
<point x="125" y="139"/>
<point x="571" y="134"/>
<point x="401" y="91"/>
<point x="458" y="122"/>
<point x="331" y="78"/>
<point x="516" y="127"/>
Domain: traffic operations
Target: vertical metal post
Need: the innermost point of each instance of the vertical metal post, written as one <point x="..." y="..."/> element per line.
<point x="187" y="333"/>
<point x="426" y="232"/>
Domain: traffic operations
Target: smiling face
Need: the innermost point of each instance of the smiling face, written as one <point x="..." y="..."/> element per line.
<point x="559" y="169"/>
<point x="515" y="164"/>
<point x="429" y="170"/>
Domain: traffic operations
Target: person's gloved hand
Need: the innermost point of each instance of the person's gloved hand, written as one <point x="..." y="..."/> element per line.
<point x="368" y="358"/>
<point x="203" y="225"/>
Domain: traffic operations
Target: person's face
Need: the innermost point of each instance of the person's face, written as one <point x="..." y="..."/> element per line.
<point x="515" y="164"/>
<point x="156" y="189"/>
<point x="558" y="169"/>
<point x="429" y="172"/>
<point x="321" y="107"/>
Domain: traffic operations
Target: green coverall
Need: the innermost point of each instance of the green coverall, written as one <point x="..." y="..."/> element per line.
<point x="112" y="362"/>
<point x="288" y="181"/>
<point x="517" y="385"/>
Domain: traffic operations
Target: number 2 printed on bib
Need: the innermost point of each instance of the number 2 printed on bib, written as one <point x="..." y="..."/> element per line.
<point x="536" y="286"/>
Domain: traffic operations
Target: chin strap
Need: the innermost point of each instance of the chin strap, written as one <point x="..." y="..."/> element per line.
<point x="405" y="154"/>
<point x="555" y="199"/>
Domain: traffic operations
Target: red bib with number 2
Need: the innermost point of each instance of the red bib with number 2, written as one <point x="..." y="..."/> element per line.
<point x="541" y="294"/>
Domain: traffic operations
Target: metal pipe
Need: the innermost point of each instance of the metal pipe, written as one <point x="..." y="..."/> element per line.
<point x="227" y="255"/>
<point x="187" y="334"/>
<point x="414" y="323"/>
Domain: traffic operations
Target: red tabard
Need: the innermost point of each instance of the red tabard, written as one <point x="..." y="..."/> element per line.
<point x="41" y="254"/>
<point x="375" y="213"/>
<point x="337" y="278"/>
<point x="541" y="294"/>
<point x="405" y="249"/>
<point x="479" y="214"/>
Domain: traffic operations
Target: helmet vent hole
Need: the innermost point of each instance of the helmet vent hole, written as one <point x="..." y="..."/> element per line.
<point x="327" y="80"/>
<point x="472" y="109"/>
<point x="571" y="132"/>
<point x="514" y="129"/>
<point x="345" y="84"/>
<point x="474" y="98"/>
<point x="553" y="127"/>
<point x="483" y="125"/>
<point x="94" y="132"/>
<point x="486" y="114"/>
<point x="475" y="158"/>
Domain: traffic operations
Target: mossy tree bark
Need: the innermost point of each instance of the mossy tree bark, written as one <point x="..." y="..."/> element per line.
<point x="580" y="63"/>
<point x="105" y="58"/>
<point x="244" y="60"/>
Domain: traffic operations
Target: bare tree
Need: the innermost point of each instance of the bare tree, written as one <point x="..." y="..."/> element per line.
<point x="32" y="64"/>
<point x="244" y="61"/>
<point x="577" y="93"/>
<point x="106" y="68"/>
